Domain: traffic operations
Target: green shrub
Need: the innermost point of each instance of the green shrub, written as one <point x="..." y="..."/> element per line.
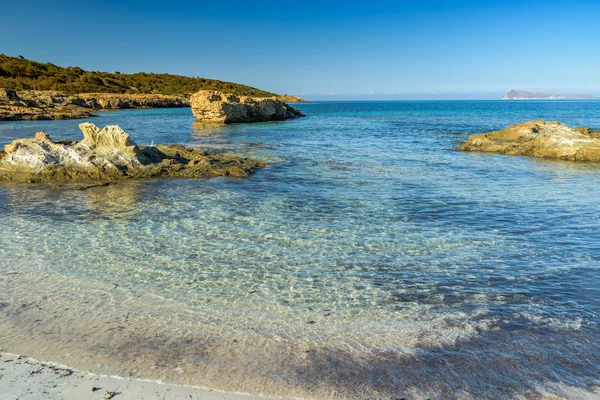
<point x="20" y="73"/>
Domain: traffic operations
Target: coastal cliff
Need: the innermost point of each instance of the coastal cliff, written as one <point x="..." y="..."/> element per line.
<point x="109" y="154"/>
<point x="539" y="139"/>
<point x="213" y="106"/>
<point x="112" y="101"/>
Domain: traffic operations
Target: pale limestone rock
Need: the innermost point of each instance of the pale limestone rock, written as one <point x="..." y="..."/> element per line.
<point x="111" y="136"/>
<point x="40" y="152"/>
<point x="39" y="137"/>
<point x="109" y="154"/>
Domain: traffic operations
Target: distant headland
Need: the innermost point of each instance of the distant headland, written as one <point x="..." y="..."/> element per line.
<point x="31" y="90"/>
<point x="525" y="95"/>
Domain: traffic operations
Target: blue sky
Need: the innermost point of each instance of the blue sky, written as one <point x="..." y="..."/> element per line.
<point x="324" y="49"/>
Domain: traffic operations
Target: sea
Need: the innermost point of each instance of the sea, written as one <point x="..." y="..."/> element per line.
<point x="369" y="260"/>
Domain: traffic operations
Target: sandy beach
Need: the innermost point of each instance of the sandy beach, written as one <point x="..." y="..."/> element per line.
<point x="25" y="378"/>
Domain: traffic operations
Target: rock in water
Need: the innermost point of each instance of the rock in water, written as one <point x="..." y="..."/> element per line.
<point x="213" y="106"/>
<point x="539" y="139"/>
<point x="109" y="154"/>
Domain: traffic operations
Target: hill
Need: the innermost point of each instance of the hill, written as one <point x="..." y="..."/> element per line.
<point x="22" y="74"/>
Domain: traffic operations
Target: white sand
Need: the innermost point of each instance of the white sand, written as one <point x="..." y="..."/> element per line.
<point x="27" y="379"/>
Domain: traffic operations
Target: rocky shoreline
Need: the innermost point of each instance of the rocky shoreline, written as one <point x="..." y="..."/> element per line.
<point x="28" y="105"/>
<point x="109" y="155"/>
<point x="539" y="139"/>
<point x="48" y="105"/>
<point x="111" y="101"/>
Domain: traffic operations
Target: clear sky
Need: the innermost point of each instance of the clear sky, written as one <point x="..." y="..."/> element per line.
<point x="324" y="49"/>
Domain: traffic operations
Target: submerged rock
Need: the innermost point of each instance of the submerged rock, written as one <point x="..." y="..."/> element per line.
<point x="213" y="106"/>
<point x="109" y="154"/>
<point x="539" y="139"/>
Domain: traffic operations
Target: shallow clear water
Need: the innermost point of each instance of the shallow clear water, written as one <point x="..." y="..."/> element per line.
<point x="369" y="260"/>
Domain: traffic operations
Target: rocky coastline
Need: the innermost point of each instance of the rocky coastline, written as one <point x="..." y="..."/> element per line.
<point x="28" y="105"/>
<point x="539" y="139"/>
<point x="50" y="105"/>
<point x="109" y="155"/>
<point x="112" y="101"/>
<point x="24" y="105"/>
<point x="217" y="107"/>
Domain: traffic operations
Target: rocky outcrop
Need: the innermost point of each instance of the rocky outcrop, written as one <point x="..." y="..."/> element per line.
<point x="110" y="101"/>
<point x="109" y="154"/>
<point x="288" y="98"/>
<point x="213" y="106"/>
<point x="539" y="139"/>
<point x="40" y="105"/>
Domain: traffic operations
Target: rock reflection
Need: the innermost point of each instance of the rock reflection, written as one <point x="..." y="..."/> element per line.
<point x="115" y="201"/>
<point x="69" y="202"/>
<point x="208" y="129"/>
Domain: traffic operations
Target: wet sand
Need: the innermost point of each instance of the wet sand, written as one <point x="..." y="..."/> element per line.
<point x="25" y="378"/>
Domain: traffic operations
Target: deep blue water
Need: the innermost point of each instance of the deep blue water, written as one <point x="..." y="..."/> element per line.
<point x="440" y="273"/>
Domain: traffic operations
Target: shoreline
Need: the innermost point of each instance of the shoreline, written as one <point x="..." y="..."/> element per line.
<point x="22" y="376"/>
<point x="32" y="105"/>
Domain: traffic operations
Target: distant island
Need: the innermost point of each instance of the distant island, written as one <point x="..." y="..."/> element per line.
<point x="524" y="95"/>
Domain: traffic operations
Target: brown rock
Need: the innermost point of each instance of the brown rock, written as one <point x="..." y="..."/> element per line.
<point x="39" y="105"/>
<point x="288" y="98"/>
<point x="8" y="95"/>
<point x="539" y="139"/>
<point x="213" y="106"/>
<point x="121" y="101"/>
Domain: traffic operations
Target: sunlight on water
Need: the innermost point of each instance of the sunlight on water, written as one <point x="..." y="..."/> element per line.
<point x="369" y="260"/>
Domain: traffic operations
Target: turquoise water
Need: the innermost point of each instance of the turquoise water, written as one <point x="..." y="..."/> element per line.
<point x="369" y="260"/>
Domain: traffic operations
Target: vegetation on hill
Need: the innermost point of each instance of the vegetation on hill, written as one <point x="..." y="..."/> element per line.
<point x="20" y="73"/>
